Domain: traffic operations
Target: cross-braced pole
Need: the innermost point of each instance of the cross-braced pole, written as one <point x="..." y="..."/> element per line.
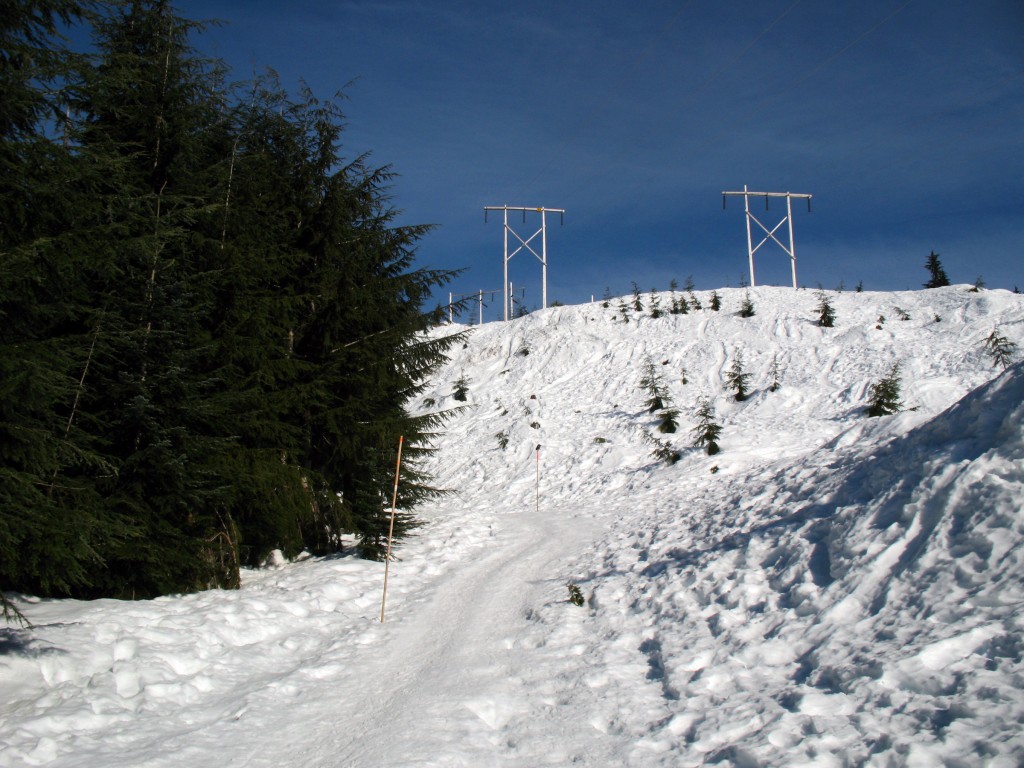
<point x="790" y="249"/>
<point x="542" y="257"/>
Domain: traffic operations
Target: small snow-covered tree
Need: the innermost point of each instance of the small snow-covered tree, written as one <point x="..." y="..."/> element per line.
<point x="655" y="304"/>
<point x="938" y="274"/>
<point x="979" y="283"/>
<point x="1000" y="348"/>
<point x="776" y="375"/>
<point x="623" y="310"/>
<point x="885" y="394"/>
<point x="654" y="386"/>
<point x="716" y="301"/>
<point x="461" y="388"/>
<point x="826" y="313"/>
<point x="707" y="431"/>
<point x="638" y="305"/>
<point x="747" y="306"/>
<point x="737" y="378"/>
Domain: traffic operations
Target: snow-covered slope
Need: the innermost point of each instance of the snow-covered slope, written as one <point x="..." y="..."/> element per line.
<point x="829" y="590"/>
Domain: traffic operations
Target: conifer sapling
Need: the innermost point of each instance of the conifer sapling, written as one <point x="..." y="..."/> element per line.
<point x="1000" y="348"/>
<point x="707" y="431"/>
<point x="885" y="394"/>
<point x="737" y="378"/>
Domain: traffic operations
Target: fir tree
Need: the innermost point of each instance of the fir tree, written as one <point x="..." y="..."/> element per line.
<point x="737" y="378"/>
<point x="623" y="311"/>
<point x="460" y="388"/>
<point x="707" y="430"/>
<point x="1000" y="349"/>
<point x="938" y="277"/>
<point x="884" y="395"/>
<point x="638" y="305"/>
<point x="654" y="386"/>
<point x="979" y="283"/>
<point x="775" y="374"/>
<point x="655" y="304"/>
<point x="716" y="301"/>
<point x="826" y="314"/>
<point x="747" y="306"/>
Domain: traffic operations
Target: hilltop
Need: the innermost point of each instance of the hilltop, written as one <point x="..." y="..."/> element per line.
<point x="830" y="589"/>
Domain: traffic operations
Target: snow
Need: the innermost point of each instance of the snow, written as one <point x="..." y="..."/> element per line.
<point x="830" y="590"/>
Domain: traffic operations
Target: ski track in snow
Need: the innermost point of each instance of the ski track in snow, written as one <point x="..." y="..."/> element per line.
<point x="830" y="590"/>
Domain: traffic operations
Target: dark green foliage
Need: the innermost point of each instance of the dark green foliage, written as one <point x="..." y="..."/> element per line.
<point x="638" y="305"/>
<point x="209" y="323"/>
<point x="655" y="304"/>
<point x="938" y="277"/>
<point x="860" y="286"/>
<point x="668" y="420"/>
<point x="707" y="430"/>
<point x="662" y="450"/>
<point x="884" y="395"/>
<point x="575" y="595"/>
<point x="653" y="384"/>
<point x="461" y="388"/>
<point x="1000" y="349"/>
<point x="694" y="301"/>
<point x="737" y="378"/>
<point x="826" y="313"/>
<point x="623" y="311"/>
<point x="902" y="314"/>
<point x="716" y="301"/>
<point x="747" y="306"/>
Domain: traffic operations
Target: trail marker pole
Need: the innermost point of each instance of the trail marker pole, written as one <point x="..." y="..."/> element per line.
<point x="542" y="257"/>
<point x="538" y="479"/>
<point x="769" y="233"/>
<point x="391" y="530"/>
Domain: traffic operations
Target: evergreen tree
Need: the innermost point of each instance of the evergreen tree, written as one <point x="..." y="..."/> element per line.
<point x="209" y="323"/>
<point x="979" y="283"/>
<point x="826" y="314"/>
<point x="716" y="301"/>
<point x="1000" y="348"/>
<point x="638" y="305"/>
<point x="655" y="304"/>
<point x="654" y="386"/>
<point x="884" y="395"/>
<point x="707" y="430"/>
<point x="775" y="374"/>
<point x="747" y="306"/>
<point x="461" y="389"/>
<point x="54" y="525"/>
<point x="737" y="378"/>
<point x="668" y="420"/>
<point x="938" y="277"/>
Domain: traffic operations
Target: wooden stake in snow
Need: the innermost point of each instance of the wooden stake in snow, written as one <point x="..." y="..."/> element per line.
<point x="538" y="479"/>
<point x="391" y="530"/>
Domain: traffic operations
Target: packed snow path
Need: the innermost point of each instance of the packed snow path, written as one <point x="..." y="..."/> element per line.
<point x="829" y="590"/>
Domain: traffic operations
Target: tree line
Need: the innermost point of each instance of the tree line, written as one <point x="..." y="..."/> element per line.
<point x="210" y="322"/>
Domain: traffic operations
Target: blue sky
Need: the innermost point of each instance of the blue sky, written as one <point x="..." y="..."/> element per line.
<point x="905" y="120"/>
